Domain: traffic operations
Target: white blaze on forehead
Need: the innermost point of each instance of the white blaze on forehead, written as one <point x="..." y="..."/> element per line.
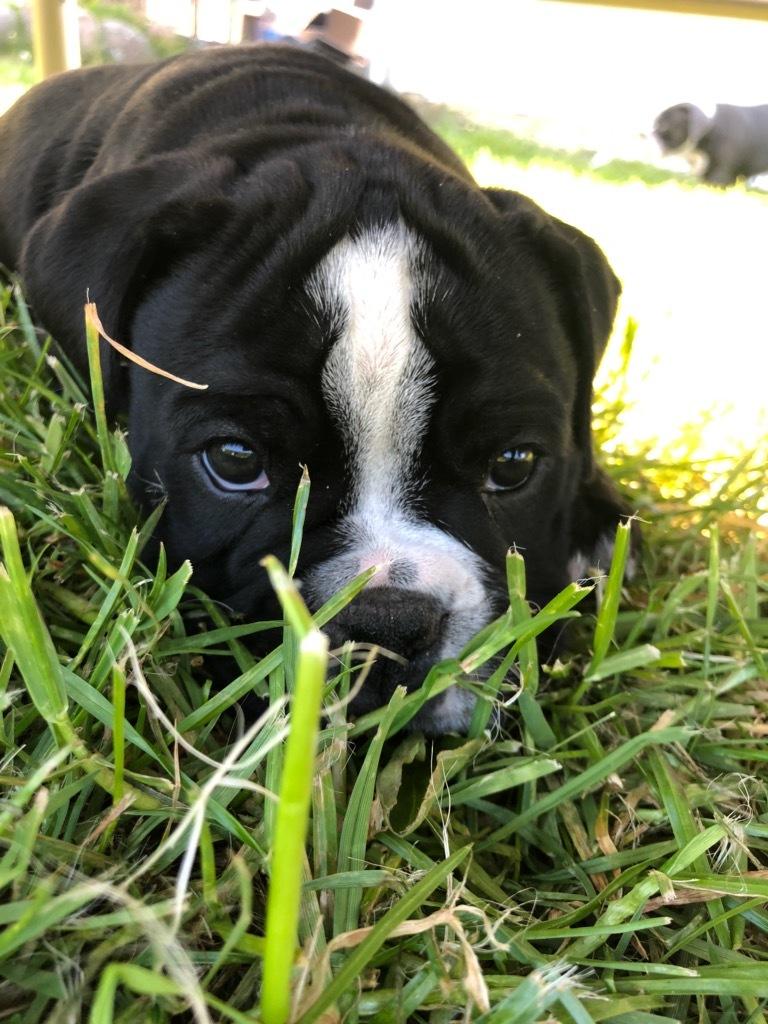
<point x="378" y="383"/>
<point x="377" y="379"/>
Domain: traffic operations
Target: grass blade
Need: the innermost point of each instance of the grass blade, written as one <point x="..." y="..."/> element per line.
<point x="377" y="936"/>
<point x="292" y="818"/>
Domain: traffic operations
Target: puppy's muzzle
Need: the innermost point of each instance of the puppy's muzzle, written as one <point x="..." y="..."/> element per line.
<point x="407" y="625"/>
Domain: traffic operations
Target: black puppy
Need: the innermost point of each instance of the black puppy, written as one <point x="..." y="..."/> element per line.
<point x="730" y="144"/>
<point x="260" y="220"/>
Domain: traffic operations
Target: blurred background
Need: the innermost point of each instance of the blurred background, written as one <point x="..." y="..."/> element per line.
<point x="554" y="98"/>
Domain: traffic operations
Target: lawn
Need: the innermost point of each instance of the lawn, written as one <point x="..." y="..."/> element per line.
<point x="598" y="855"/>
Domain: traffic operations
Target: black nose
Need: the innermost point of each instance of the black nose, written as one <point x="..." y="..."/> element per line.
<point x="405" y="622"/>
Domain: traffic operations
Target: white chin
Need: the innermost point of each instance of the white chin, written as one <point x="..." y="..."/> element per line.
<point x="451" y="711"/>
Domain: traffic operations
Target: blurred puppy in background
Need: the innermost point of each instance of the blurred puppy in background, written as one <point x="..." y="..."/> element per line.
<point x="728" y="144"/>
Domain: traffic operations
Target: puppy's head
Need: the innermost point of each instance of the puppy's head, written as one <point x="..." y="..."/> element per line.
<point x="424" y="347"/>
<point x="680" y="127"/>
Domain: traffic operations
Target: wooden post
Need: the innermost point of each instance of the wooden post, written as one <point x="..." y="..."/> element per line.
<point x="55" y="36"/>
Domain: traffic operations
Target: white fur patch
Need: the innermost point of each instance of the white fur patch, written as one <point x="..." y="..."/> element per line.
<point x="379" y="386"/>
<point x="698" y="162"/>
<point x="377" y="379"/>
<point x="597" y="563"/>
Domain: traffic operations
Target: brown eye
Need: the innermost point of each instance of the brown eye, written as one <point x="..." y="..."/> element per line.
<point x="510" y="469"/>
<point x="234" y="466"/>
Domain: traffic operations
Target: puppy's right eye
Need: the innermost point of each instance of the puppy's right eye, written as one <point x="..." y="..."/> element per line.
<point x="233" y="465"/>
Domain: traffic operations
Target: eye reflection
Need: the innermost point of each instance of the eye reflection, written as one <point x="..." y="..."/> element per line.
<point x="233" y="465"/>
<point x="511" y="469"/>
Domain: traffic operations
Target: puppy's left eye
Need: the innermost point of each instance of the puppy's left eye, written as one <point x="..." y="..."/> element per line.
<point x="234" y="466"/>
<point x="510" y="469"/>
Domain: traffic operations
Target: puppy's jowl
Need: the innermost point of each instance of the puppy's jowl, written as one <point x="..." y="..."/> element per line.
<point x="262" y="221"/>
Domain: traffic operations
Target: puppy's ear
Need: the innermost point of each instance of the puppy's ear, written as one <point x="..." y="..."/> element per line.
<point x="587" y="293"/>
<point x="584" y="286"/>
<point x="107" y="239"/>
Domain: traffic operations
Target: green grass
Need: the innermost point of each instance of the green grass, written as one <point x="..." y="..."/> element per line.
<point x="600" y="857"/>
<point x="468" y="138"/>
<point x="16" y="70"/>
<point x="16" y="76"/>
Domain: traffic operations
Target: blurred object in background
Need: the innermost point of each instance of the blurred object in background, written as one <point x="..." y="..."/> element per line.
<point x="723" y="146"/>
<point x="55" y="36"/>
<point x="110" y="40"/>
<point x="122" y="35"/>
<point x="339" y="31"/>
<point x="335" y="31"/>
<point x="337" y="27"/>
